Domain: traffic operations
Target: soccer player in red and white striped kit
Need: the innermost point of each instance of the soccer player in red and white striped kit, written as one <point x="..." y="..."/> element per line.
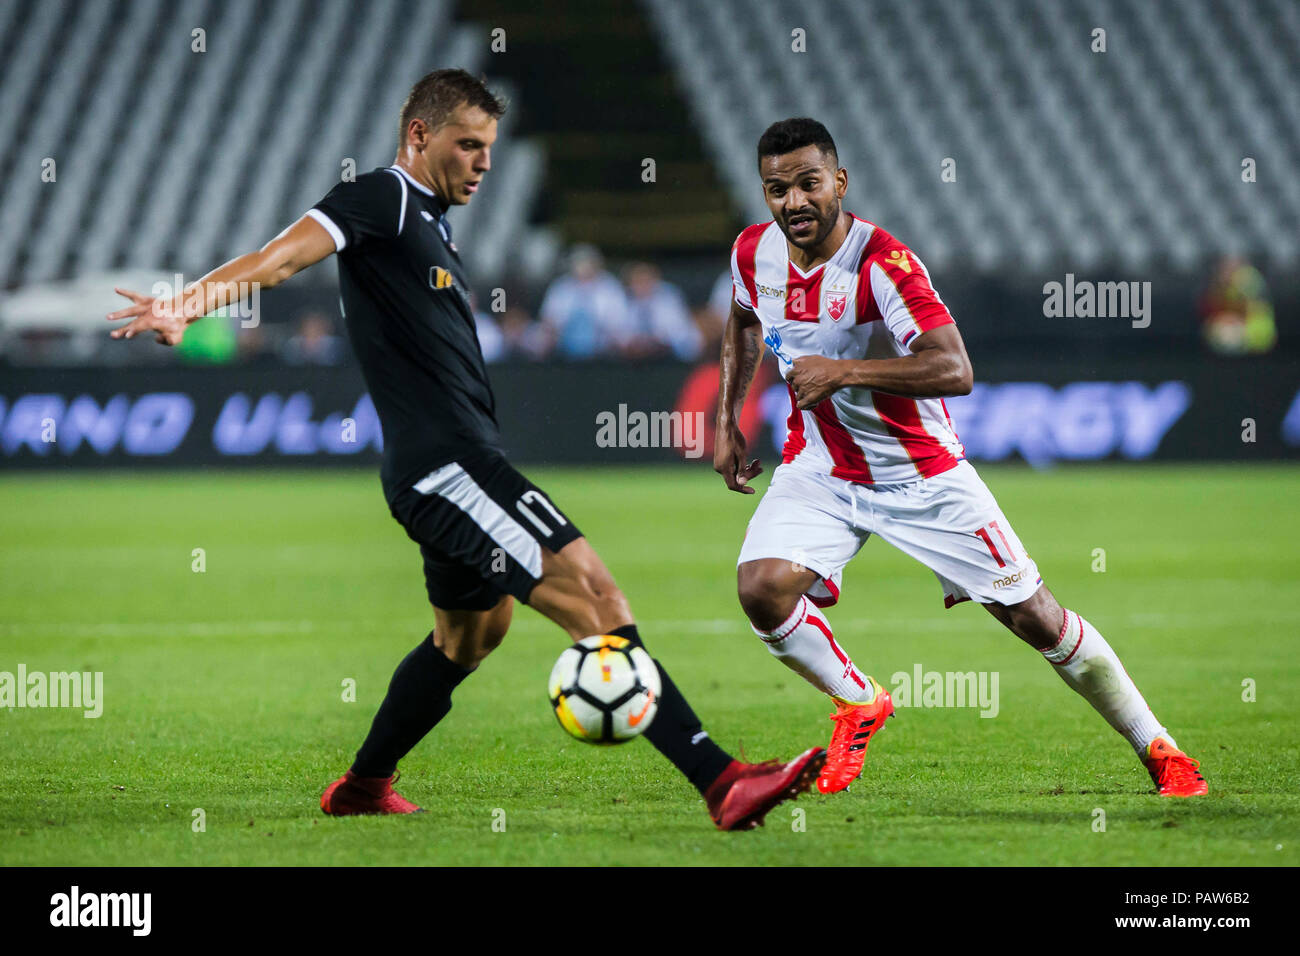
<point x="869" y="351"/>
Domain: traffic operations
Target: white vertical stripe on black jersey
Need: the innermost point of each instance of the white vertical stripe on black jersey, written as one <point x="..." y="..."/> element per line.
<point x="401" y="218"/>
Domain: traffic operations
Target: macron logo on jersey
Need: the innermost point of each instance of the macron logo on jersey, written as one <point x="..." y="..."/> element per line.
<point x="898" y="258"/>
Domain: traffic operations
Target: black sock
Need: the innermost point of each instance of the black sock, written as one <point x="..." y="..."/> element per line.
<point x="676" y="731"/>
<point x="419" y="695"/>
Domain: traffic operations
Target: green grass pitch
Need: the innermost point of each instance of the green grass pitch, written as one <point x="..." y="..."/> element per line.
<point x="223" y="690"/>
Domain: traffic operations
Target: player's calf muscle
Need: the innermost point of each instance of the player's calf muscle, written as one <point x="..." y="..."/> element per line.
<point x="578" y="593"/>
<point x="1036" y="621"/>
<point x="580" y="612"/>
<point x="466" y="637"/>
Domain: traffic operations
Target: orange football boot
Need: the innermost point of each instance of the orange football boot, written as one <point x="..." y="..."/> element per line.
<point x="854" y="726"/>
<point x="1175" y="774"/>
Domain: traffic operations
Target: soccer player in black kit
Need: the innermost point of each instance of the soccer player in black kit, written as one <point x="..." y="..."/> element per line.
<point x="487" y="535"/>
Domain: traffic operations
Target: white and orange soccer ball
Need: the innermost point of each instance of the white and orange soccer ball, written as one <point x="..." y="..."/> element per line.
<point x="604" y="690"/>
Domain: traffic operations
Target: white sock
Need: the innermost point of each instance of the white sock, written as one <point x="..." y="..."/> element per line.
<point x="804" y="643"/>
<point x="1086" y="662"/>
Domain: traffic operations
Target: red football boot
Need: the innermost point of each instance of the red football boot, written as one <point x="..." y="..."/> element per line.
<point x="1175" y="774"/>
<point x="350" y="794"/>
<point x="745" y="792"/>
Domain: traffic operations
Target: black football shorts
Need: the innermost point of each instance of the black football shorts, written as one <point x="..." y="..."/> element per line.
<point x="481" y="527"/>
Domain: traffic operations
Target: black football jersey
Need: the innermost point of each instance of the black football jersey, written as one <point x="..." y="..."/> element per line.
<point x="405" y="300"/>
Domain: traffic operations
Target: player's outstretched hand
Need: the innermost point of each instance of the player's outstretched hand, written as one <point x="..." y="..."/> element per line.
<point x="813" y="378"/>
<point x="729" y="460"/>
<point x="147" y="314"/>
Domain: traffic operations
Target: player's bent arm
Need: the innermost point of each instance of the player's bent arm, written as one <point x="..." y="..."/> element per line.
<point x="302" y="244"/>
<point x="937" y="368"/>
<point x="742" y="348"/>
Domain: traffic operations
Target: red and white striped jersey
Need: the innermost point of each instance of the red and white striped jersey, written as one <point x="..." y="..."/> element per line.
<point x="869" y="300"/>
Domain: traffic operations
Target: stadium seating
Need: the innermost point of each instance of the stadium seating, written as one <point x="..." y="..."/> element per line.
<point x="172" y="159"/>
<point x="1064" y="157"/>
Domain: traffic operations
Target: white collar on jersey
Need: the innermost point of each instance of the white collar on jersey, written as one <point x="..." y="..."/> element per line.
<point x="418" y="185"/>
<point x="836" y="254"/>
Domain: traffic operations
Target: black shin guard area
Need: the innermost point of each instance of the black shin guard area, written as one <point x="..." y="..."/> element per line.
<point x="676" y="731"/>
<point x="419" y="695"/>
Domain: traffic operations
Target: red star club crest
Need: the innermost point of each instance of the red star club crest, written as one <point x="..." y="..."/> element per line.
<point x="835" y="304"/>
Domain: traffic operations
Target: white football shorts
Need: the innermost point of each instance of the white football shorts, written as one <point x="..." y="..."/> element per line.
<point x="950" y="523"/>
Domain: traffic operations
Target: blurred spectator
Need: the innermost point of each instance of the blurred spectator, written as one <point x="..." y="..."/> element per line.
<point x="254" y="346"/>
<point x="314" y="342"/>
<point x="711" y="318"/>
<point x="659" y="322"/>
<point x="584" y="312"/>
<point x="720" y="299"/>
<point x="524" y="336"/>
<point x="709" y="330"/>
<point x="1237" y="311"/>
<point x="490" y="337"/>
